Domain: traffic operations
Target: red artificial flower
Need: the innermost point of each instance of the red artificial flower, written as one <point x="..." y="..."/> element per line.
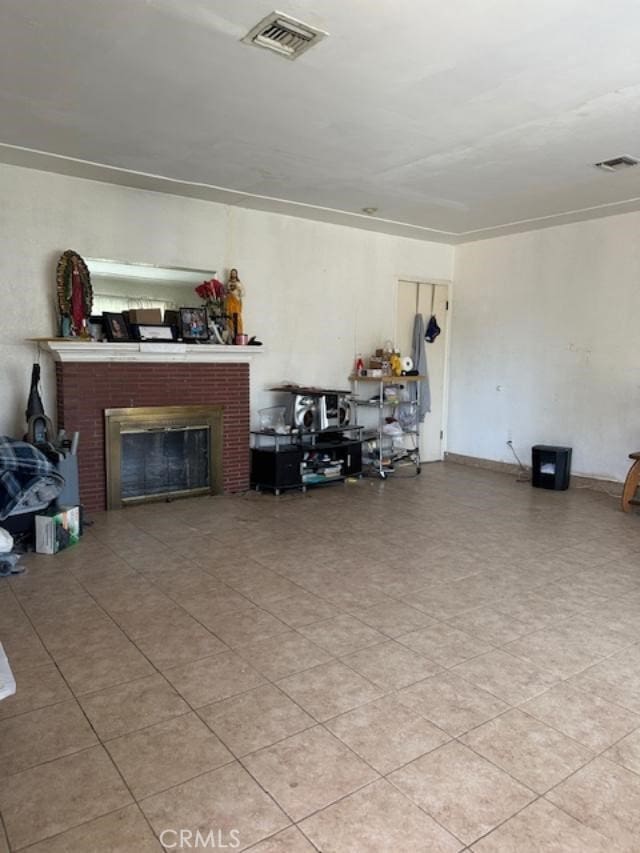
<point x="218" y="286"/>
<point x="213" y="289"/>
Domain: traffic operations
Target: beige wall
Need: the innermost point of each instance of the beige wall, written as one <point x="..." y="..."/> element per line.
<point x="549" y="317"/>
<point x="316" y="293"/>
<point x="546" y="348"/>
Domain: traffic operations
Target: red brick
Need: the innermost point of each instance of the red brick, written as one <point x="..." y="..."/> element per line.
<point x="84" y="391"/>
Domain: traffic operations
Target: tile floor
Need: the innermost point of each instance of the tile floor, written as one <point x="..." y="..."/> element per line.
<point x="444" y="663"/>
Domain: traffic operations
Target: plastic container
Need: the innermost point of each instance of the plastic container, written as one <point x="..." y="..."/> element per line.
<point x="272" y="419"/>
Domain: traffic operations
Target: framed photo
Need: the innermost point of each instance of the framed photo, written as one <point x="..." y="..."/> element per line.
<point x="115" y="327"/>
<point x="96" y="328"/>
<point x="194" y="324"/>
<point x="144" y="332"/>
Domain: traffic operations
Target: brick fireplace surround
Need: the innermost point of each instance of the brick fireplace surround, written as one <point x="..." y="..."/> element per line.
<point x="85" y="389"/>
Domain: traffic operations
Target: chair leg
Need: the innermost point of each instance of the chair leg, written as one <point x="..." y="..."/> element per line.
<point x="631" y="486"/>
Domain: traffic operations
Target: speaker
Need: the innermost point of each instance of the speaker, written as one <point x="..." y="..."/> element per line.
<point x="320" y="411"/>
<point x="337" y="411"/>
<point x="306" y="412"/>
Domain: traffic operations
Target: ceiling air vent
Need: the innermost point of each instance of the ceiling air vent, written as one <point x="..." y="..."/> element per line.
<point x="617" y="164"/>
<point x="284" y="35"/>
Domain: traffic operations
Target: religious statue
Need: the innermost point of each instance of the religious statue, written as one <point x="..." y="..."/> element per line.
<point x="75" y="296"/>
<point x="233" y="303"/>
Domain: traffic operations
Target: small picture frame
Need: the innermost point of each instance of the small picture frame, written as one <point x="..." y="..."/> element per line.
<point x="147" y="332"/>
<point x="194" y="324"/>
<point x="115" y="327"/>
<point x="96" y="328"/>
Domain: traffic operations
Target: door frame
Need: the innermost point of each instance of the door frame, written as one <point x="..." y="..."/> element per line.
<point x="448" y="284"/>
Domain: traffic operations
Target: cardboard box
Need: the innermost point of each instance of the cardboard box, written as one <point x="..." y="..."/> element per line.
<point x="57" y="530"/>
<point x="146" y="316"/>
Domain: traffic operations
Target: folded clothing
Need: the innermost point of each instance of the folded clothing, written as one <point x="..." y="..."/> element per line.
<point x="25" y="475"/>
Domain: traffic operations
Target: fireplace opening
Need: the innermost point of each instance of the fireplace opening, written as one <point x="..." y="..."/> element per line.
<point x="165" y="461"/>
<point x="162" y="452"/>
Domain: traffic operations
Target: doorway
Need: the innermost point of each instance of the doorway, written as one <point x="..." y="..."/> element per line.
<point x="427" y="298"/>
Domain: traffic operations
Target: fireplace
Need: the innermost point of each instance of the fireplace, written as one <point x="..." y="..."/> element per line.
<point x="94" y="377"/>
<point x="155" y="453"/>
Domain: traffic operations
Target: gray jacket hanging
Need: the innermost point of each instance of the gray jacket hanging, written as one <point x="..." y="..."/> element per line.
<point x="419" y="356"/>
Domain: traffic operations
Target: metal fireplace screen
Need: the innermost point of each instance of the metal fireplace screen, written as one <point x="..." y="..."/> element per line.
<point x="162" y="452"/>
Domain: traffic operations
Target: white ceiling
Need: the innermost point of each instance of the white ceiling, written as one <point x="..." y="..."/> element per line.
<point x="457" y="119"/>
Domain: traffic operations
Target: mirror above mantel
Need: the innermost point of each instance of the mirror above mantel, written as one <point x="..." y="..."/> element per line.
<point x="119" y="286"/>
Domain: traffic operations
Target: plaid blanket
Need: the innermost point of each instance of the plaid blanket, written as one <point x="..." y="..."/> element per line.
<point x="26" y="476"/>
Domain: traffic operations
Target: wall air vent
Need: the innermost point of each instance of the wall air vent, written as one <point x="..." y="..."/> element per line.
<point x="617" y="164"/>
<point x="284" y="35"/>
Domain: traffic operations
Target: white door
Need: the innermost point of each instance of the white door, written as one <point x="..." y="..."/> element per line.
<point x="417" y="297"/>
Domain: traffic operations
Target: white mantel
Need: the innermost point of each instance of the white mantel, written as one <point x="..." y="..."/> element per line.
<point x="69" y="349"/>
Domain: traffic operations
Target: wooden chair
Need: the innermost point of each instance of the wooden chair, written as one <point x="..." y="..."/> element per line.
<point x="631" y="484"/>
